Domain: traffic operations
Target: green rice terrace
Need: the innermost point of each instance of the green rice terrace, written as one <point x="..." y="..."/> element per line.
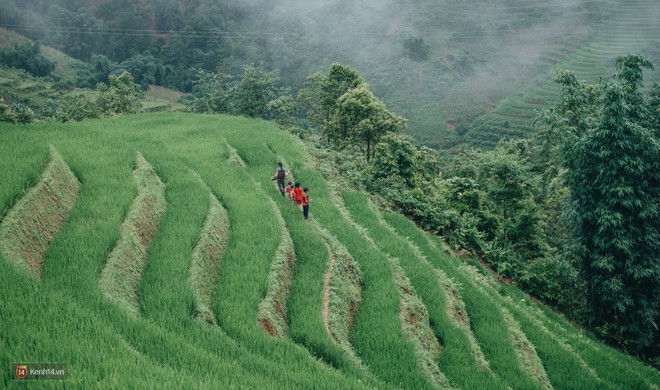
<point x="632" y="26"/>
<point x="154" y="251"/>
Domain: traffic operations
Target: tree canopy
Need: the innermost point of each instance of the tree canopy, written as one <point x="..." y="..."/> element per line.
<point x="612" y="161"/>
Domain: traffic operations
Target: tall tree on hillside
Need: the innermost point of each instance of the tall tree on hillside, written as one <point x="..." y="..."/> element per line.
<point x="339" y="80"/>
<point x="509" y="186"/>
<point x="309" y="99"/>
<point x="362" y="118"/>
<point x="631" y="73"/>
<point x="211" y="93"/>
<point x="614" y="180"/>
<point x="148" y="70"/>
<point x="341" y="105"/>
<point x="654" y="109"/>
<point x="255" y="90"/>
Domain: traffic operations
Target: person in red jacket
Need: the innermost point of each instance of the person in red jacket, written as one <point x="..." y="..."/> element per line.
<point x="298" y="194"/>
<point x="292" y="195"/>
<point x="305" y="203"/>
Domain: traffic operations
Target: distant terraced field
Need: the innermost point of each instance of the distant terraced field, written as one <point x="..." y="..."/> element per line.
<point x="632" y="27"/>
<point x="169" y="260"/>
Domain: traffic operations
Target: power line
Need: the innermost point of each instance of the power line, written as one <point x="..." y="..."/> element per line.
<point x="465" y="33"/>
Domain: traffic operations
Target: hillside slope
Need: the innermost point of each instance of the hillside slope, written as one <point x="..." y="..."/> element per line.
<point x="448" y="66"/>
<point x="631" y="27"/>
<point x="364" y="299"/>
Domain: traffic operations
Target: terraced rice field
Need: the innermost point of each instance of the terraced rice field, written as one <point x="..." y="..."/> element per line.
<point x="154" y="251"/>
<point x="632" y="28"/>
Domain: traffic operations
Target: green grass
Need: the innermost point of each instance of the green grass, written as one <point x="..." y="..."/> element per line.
<point x="206" y="258"/>
<point x="456" y="360"/>
<point x="342" y="292"/>
<point x="122" y="274"/>
<point x="158" y="341"/>
<point x="568" y="374"/>
<point x="28" y="229"/>
<point x="273" y="312"/>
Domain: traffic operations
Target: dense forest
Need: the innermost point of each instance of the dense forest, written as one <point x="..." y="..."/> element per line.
<point x="569" y="212"/>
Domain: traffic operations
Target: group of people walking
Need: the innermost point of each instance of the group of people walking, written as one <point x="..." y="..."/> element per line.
<point x="294" y="192"/>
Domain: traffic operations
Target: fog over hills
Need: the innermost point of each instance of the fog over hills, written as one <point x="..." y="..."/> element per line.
<point x="441" y="64"/>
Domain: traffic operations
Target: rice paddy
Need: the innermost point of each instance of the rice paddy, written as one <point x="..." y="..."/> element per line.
<point x="169" y="260"/>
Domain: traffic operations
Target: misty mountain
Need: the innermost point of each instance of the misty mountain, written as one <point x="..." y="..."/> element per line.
<point x="441" y="64"/>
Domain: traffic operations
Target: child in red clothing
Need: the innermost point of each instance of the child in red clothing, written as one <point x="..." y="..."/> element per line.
<point x="305" y="203"/>
<point x="288" y="190"/>
<point x="298" y="194"/>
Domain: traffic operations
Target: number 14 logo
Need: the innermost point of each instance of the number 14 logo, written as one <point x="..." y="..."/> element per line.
<point x="21" y="371"/>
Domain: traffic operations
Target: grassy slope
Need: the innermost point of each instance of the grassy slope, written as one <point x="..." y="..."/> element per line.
<point x="65" y="317"/>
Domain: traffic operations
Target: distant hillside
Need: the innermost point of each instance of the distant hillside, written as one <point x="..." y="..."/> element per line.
<point x="460" y="72"/>
<point x="42" y="94"/>
<point x="627" y="28"/>
<point x="155" y="251"/>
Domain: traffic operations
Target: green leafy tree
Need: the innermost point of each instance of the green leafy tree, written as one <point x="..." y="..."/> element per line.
<point x="282" y="110"/>
<point x="470" y="224"/>
<point x="27" y="56"/>
<point x="103" y="67"/>
<point x="121" y="96"/>
<point x="363" y="118"/>
<point x="309" y="98"/>
<point x="631" y="69"/>
<point x="428" y="164"/>
<point x="339" y="80"/>
<point x="416" y="49"/>
<point x="392" y="175"/>
<point x="654" y="109"/>
<point x="395" y="161"/>
<point x="148" y="70"/>
<point x="124" y="15"/>
<point x="575" y="113"/>
<point x="341" y="105"/>
<point x="510" y="187"/>
<point x="212" y="93"/>
<point x="614" y="180"/>
<point x="256" y="88"/>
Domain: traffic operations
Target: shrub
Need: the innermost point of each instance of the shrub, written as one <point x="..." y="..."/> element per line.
<point x="557" y="283"/>
<point x="23" y="113"/>
<point x="122" y="96"/>
<point x="77" y="108"/>
<point x="6" y="112"/>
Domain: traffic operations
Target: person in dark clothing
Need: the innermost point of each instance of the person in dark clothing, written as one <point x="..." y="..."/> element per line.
<point x="280" y="175"/>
